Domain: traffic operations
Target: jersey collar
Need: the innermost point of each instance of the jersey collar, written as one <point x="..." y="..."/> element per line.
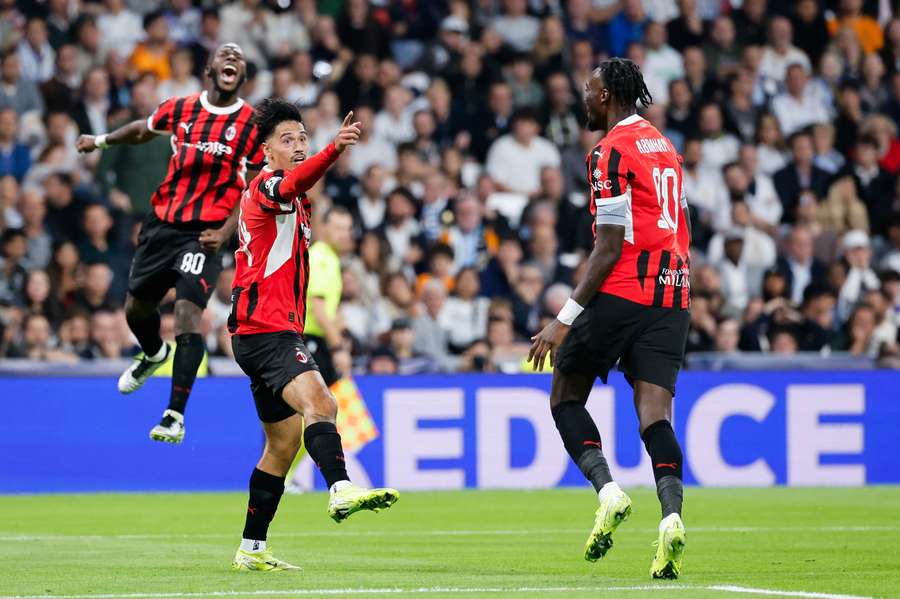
<point x="204" y="101"/>
<point x="628" y="120"/>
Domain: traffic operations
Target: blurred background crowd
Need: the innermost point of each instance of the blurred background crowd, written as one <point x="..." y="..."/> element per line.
<point x="468" y="188"/>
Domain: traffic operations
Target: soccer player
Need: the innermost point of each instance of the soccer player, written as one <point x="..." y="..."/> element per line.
<point x="193" y="216"/>
<point x="268" y="310"/>
<point x="631" y="306"/>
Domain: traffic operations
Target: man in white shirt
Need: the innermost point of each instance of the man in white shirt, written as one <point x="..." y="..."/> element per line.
<point x="798" y="106"/>
<point x="860" y="277"/>
<point x="515" y="160"/>
<point x="120" y="28"/>
<point x="780" y="52"/>
<point x="394" y="124"/>
<point x="705" y="187"/>
<point x="662" y="63"/>
<point x="759" y="251"/>
<point x="370" y="149"/>
<point x="516" y="27"/>
<point x="762" y="198"/>
<point x="36" y="57"/>
<point x="719" y="146"/>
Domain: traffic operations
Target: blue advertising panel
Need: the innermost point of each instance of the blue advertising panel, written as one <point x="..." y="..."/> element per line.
<point x="457" y="431"/>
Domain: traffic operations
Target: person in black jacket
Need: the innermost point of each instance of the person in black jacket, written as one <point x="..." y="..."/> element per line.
<point x="799" y="267"/>
<point x="874" y="185"/>
<point x="799" y="175"/>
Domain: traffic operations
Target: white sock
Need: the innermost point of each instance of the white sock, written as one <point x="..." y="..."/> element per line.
<point x="253" y="546"/>
<point x="161" y="354"/>
<point x="339" y="485"/>
<point x="607" y="489"/>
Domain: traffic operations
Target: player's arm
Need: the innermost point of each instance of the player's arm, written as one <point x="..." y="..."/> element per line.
<point x="303" y="176"/>
<point x="331" y="328"/>
<point x="603" y="257"/>
<point x="135" y="132"/>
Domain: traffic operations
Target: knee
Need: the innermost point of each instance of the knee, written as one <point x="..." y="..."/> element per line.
<point x="322" y="408"/>
<point x="187" y="317"/>
<point x="136" y="310"/>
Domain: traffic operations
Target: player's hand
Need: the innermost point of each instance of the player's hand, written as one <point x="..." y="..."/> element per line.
<point x="212" y="240"/>
<point x="86" y="144"/>
<point x="348" y="135"/>
<point x="545" y="344"/>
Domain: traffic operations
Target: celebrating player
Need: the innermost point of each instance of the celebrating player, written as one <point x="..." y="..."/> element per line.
<point x="631" y="306"/>
<point x="193" y="216"/>
<point x="268" y="310"/>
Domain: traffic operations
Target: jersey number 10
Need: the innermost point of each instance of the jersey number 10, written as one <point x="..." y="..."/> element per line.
<point x="667" y="188"/>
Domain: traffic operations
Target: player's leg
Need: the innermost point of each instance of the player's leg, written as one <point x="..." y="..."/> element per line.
<point x="310" y="397"/>
<point x="652" y="364"/>
<point x="197" y="272"/>
<point x="568" y="399"/>
<point x="591" y="346"/>
<point x="143" y="320"/>
<point x="265" y="491"/>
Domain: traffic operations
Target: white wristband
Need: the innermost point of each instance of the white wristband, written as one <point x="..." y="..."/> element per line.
<point x="100" y="141"/>
<point x="569" y="312"/>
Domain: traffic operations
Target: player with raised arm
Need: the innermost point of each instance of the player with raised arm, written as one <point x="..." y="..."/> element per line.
<point x="631" y="307"/>
<point x="268" y="310"/>
<point x="193" y="215"/>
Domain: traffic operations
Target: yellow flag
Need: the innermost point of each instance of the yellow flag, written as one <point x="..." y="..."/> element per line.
<point x="354" y="422"/>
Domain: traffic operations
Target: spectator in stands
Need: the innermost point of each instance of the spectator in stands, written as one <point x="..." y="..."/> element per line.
<point x="705" y="188"/>
<point x="120" y="28"/>
<point x="36" y="56"/>
<point x="526" y="300"/>
<point x="17" y="93"/>
<point x="750" y="22"/>
<point x="370" y="206"/>
<point x="15" y="158"/>
<point x="780" y="52"/>
<point x="393" y="124"/>
<point x="92" y="110"/>
<point x="370" y="149"/>
<point x="865" y="28"/>
<point x="799" y="267"/>
<point x="464" y="315"/>
<point x="884" y="130"/>
<point x="842" y="209"/>
<point x="39" y="242"/>
<point x="721" y="50"/>
<point x="857" y="252"/>
<point x="61" y="90"/>
<point x="401" y="229"/>
<point x="37" y="342"/>
<point x="874" y="186"/>
<point x="430" y="337"/>
<point x="687" y="28"/>
<point x="770" y="146"/>
<point x="95" y="294"/>
<point x="761" y="197"/>
<point x="758" y="252"/>
<point x="719" y="147"/>
<point x="519" y="75"/>
<point x="799" y="175"/>
<point x="436" y="207"/>
<point x="515" y="26"/>
<point x="106" y="335"/>
<point x="183" y="82"/>
<point x="827" y="157"/>
<point x="153" y="54"/>
<point x="810" y="30"/>
<point x="581" y="25"/>
<point x="13" y="248"/>
<point x="515" y="160"/>
<point x="662" y="65"/>
<point x="798" y="107"/>
<point x="627" y="27"/>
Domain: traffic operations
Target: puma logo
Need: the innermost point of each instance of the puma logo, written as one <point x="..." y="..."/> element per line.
<point x="186" y="127"/>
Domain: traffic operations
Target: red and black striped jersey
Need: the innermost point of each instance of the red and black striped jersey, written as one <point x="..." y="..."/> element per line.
<point x="272" y="263"/>
<point x="211" y="146"/>
<point x="636" y="182"/>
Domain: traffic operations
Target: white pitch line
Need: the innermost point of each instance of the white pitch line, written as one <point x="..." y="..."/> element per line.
<point x="10" y="537"/>
<point x="448" y="590"/>
<point x="772" y="592"/>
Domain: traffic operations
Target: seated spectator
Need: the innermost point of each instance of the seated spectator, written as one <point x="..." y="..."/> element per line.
<point x="37" y="343"/>
<point x="884" y="130"/>
<point x="799" y="106"/>
<point x="770" y="146"/>
<point x="861" y="277"/>
<point x="858" y="334"/>
<point x="739" y="279"/>
<point x="396" y="302"/>
<point x="702" y="331"/>
<point x="741" y="114"/>
<point x="40" y="244"/>
<point x="63" y="271"/>
<point x="464" y="315"/>
<point x="783" y="340"/>
<point x="519" y="75"/>
<point x="873" y="93"/>
<point x="383" y="361"/>
<point x="799" y="267"/>
<point x="758" y="252"/>
<point x="152" y="55"/>
<point x="762" y="199"/>
<point x="437" y="208"/>
<point x="865" y="28"/>
<point x="627" y="27"/>
<point x="810" y="30"/>
<point x="370" y="205"/>
<point x="526" y="306"/>
<point x="816" y="331"/>
<point x="502" y="271"/>
<point x="681" y="114"/>
<point x="184" y="22"/>
<point x="106" y="335"/>
<point x="17" y="93"/>
<point x="440" y="268"/>
<point x="63" y="213"/>
<point x="36" y="56"/>
<point x="874" y="185"/>
<point x="842" y="209"/>
<point x="780" y="52"/>
<point x="799" y="175"/>
<point x="827" y="157"/>
<point x="705" y="189"/>
<point x="886" y="327"/>
<point x="13" y="247"/>
<point x="723" y="54"/>
<point x="369" y="149"/>
<point x="401" y="341"/>
<point x="728" y="333"/>
<point x="542" y="248"/>
<point x="580" y="25"/>
<point x="401" y="229"/>
<point x="431" y="338"/>
<point x="393" y="124"/>
<point x="75" y="334"/>
<point x="120" y="28"/>
<point x="92" y="111"/>
<point x="662" y="64"/>
<point x="515" y="26"/>
<point x="515" y="160"/>
<point x="38" y="298"/>
<point x="15" y="158"/>
<point x="183" y="82"/>
<point x="472" y="239"/>
<point x="94" y="294"/>
<point x="719" y="147"/>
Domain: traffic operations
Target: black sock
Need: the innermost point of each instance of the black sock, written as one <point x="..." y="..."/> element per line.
<point x="265" y="493"/>
<point x="189" y="350"/>
<point x="665" y="454"/>
<point x="324" y="446"/>
<point x="582" y="441"/>
<point x="147" y="332"/>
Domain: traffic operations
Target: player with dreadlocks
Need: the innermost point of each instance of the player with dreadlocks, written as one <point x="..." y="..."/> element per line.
<point x="630" y="307"/>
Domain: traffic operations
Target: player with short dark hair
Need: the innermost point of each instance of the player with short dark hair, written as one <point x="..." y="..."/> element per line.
<point x="193" y="215"/>
<point x="631" y="306"/>
<point x="268" y="312"/>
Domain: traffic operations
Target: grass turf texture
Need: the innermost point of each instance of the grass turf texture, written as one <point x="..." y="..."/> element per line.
<point x="812" y="540"/>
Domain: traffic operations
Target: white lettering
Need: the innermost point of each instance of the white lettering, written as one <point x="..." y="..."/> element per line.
<point x="704" y="426"/>
<point x="496" y="408"/>
<point x="808" y="439"/>
<point x="405" y="443"/>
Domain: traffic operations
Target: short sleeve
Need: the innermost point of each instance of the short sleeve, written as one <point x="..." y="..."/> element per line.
<point x="162" y="121"/>
<point x="608" y="174"/>
<point x="269" y="194"/>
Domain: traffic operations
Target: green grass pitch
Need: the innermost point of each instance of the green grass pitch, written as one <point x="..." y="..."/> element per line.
<point x="740" y="543"/>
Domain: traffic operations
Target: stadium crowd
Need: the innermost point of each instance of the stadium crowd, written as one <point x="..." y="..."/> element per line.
<point x="468" y="187"/>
